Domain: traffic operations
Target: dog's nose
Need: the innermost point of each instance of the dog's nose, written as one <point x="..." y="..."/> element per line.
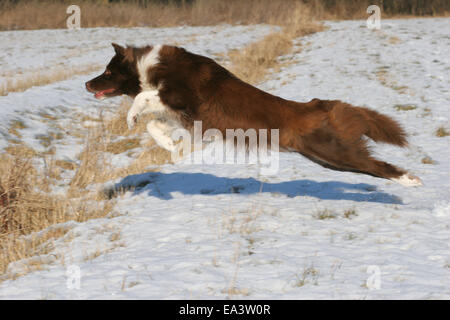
<point x="88" y="86"/>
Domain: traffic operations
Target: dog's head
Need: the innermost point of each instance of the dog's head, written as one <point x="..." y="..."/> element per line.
<point x="120" y="76"/>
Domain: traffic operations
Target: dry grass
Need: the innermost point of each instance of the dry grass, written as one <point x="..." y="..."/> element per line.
<point x="101" y="141"/>
<point x="325" y="214"/>
<point x="43" y="77"/>
<point x="26" y="207"/>
<point x="356" y="9"/>
<point x="442" y="132"/>
<point x="405" y="107"/>
<point x="33" y="14"/>
<point x="15" y="126"/>
<point x="387" y="79"/>
<point x="350" y="213"/>
<point x="309" y="275"/>
<point x="394" y="40"/>
<point x="254" y="62"/>
<point x="21" y="151"/>
<point x="427" y="160"/>
<point x="259" y="58"/>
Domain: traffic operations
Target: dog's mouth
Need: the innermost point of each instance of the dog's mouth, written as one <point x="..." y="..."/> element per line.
<point x="104" y="93"/>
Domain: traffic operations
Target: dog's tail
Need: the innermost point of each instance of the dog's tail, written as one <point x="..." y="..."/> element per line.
<point x="357" y="121"/>
<point x="383" y="128"/>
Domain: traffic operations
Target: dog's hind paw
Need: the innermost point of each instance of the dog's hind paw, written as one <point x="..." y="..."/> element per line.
<point x="408" y="180"/>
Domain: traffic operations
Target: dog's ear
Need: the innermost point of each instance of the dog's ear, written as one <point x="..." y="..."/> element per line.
<point x="118" y="49"/>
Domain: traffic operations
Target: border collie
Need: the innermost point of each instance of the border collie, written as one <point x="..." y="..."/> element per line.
<point x="185" y="87"/>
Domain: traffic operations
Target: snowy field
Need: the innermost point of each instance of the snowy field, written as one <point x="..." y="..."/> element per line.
<point x="225" y="231"/>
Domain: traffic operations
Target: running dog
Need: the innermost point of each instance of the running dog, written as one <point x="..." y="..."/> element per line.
<point x="182" y="87"/>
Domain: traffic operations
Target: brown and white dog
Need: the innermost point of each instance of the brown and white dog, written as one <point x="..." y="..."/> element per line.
<point x="183" y="87"/>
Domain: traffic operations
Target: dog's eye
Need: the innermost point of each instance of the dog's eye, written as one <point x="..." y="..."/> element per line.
<point x="107" y="72"/>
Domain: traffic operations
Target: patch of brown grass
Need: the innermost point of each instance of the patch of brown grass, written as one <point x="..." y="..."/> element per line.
<point x="405" y="107"/>
<point x="259" y="58"/>
<point x="349" y="213"/>
<point x="123" y="145"/>
<point x="394" y="40"/>
<point x="21" y="151"/>
<point x="442" y="132"/>
<point x="15" y="126"/>
<point x="26" y="207"/>
<point x="43" y="77"/>
<point x="386" y="78"/>
<point x="427" y="160"/>
<point x="33" y="14"/>
<point x="309" y="275"/>
<point x="325" y="214"/>
<point x="254" y="62"/>
<point x="94" y="161"/>
<point x="65" y="164"/>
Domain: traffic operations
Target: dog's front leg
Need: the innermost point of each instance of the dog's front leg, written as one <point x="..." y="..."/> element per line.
<point x="161" y="130"/>
<point x="145" y="102"/>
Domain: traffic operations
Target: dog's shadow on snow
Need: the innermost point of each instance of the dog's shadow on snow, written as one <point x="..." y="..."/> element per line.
<point x="162" y="185"/>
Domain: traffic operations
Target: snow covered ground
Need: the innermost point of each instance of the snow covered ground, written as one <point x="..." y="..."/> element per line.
<point x="199" y="231"/>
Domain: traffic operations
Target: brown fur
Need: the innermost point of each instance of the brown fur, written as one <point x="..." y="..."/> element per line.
<point x="198" y="89"/>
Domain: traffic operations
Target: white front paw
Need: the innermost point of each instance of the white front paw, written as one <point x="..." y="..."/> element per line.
<point x="131" y="119"/>
<point x="166" y="143"/>
<point x="161" y="137"/>
<point x="140" y="102"/>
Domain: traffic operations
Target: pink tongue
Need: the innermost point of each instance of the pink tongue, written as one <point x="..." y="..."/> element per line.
<point x="100" y="94"/>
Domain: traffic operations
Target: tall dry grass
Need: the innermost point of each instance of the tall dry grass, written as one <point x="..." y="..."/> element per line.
<point x="26" y="207"/>
<point x="256" y="60"/>
<point x="356" y="9"/>
<point x="112" y="136"/>
<point x="33" y="14"/>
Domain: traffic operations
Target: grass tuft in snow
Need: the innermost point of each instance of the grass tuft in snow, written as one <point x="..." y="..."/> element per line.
<point x="28" y="206"/>
<point x="350" y="213"/>
<point x="442" y="132"/>
<point x="427" y="160"/>
<point x="325" y="214"/>
<point x="405" y="107"/>
<point x="309" y="275"/>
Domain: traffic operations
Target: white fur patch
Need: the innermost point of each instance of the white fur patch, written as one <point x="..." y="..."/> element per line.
<point x="145" y="102"/>
<point x="408" y="180"/>
<point x="161" y="130"/>
<point x="145" y="62"/>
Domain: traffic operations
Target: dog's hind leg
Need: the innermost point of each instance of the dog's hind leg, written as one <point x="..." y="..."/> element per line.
<point x="334" y="153"/>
